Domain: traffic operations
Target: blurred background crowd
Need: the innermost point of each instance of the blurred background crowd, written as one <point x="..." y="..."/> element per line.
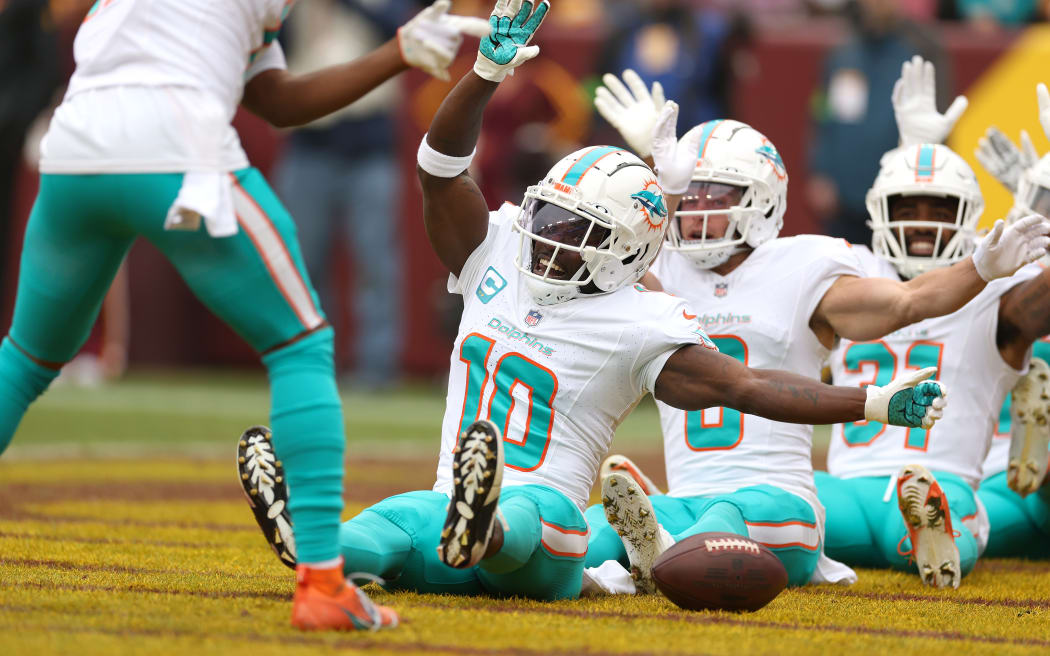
<point x="814" y="75"/>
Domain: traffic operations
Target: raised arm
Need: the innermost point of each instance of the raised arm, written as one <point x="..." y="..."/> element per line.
<point x="454" y="211"/>
<point x="429" y="41"/>
<point x="862" y="309"/>
<point x="695" y="378"/>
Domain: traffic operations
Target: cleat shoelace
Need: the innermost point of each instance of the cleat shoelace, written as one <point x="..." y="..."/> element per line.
<point x="261" y="466"/>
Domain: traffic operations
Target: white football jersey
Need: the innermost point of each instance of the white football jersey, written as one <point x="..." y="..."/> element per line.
<point x="759" y="313"/>
<point x="157" y="83"/>
<point x="556" y="379"/>
<point x="962" y="346"/>
<point x="999" y="454"/>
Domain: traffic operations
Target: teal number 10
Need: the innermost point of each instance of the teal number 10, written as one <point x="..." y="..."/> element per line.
<point x="527" y="452"/>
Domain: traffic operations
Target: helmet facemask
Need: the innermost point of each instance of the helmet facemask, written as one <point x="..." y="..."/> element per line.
<point x="915" y="244"/>
<point x="736" y="200"/>
<point x="924" y="208"/>
<point x="558" y="245"/>
<point x="591" y="226"/>
<point x="714" y="220"/>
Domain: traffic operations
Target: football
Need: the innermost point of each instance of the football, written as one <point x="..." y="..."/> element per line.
<point x="719" y="571"/>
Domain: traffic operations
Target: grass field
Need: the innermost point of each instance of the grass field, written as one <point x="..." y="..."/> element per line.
<point x="123" y="531"/>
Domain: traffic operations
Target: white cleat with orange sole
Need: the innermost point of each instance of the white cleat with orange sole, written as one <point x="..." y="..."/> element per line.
<point x="929" y="522"/>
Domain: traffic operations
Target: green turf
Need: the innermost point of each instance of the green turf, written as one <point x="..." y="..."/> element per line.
<point x="202" y="411"/>
<point x="123" y="531"/>
<point x="112" y="558"/>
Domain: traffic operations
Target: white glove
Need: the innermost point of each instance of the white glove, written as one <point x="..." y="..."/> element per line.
<point x="1043" y="97"/>
<point x="909" y="400"/>
<point x="512" y="25"/>
<point x="1002" y="159"/>
<point x="915" y="105"/>
<point x="431" y="39"/>
<point x="631" y="109"/>
<point x="1007" y="249"/>
<point x="674" y="160"/>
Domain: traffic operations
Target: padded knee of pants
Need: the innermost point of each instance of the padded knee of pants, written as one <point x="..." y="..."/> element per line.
<point x="604" y="542"/>
<point x="521" y="538"/>
<point x="375" y="545"/>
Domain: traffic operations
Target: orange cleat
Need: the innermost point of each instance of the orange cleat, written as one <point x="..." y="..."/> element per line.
<point x="924" y="508"/>
<point x="325" y="600"/>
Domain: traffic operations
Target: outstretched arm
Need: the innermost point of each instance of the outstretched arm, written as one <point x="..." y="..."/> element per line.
<point x="868" y="308"/>
<point x="695" y="378"/>
<point x="429" y="41"/>
<point x="285" y="100"/>
<point x="454" y="211"/>
<point x="862" y="309"/>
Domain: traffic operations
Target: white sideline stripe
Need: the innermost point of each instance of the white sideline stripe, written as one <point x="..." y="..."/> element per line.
<point x="789" y="534"/>
<point x="562" y="543"/>
<point x="275" y="255"/>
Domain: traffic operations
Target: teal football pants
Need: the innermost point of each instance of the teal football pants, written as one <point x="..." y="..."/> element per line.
<point x="80" y="230"/>
<point x="541" y="557"/>
<point x="782" y="522"/>
<point x="1020" y="526"/>
<point x="862" y="530"/>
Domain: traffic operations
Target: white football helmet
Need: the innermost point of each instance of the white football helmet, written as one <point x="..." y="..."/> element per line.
<point x="739" y="165"/>
<point x="600" y="206"/>
<point x="1033" y="188"/>
<point x="924" y="170"/>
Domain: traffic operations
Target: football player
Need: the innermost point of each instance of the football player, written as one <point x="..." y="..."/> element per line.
<point x="556" y="345"/>
<point x="1014" y="489"/>
<point x="142" y="146"/>
<point x="769" y="302"/>
<point x="983" y="349"/>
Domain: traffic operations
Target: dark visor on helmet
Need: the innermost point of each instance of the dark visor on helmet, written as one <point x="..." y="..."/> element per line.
<point x="558" y="224"/>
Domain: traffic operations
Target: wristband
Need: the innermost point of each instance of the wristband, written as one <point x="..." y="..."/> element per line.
<point x="439" y="164"/>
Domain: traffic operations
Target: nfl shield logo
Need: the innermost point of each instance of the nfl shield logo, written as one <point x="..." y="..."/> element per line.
<point x="533" y="318"/>
<point x="721" y="289"/>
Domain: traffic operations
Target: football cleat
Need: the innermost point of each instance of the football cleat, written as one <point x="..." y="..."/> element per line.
<point x="1029" y="429"/>
<point x="929" y="522"/>
<point x="477" y="474"/>
<point x="624" y="465"/>
<point x="630" y="513"/>
<point x="262" y="478"/>
<point x="325" y="600"/>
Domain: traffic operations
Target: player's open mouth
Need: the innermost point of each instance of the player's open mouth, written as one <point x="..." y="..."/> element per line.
<point x="920" y="247"/>
<point x="544" y="263"/>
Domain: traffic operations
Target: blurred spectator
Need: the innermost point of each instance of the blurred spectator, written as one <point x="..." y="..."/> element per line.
<point x="685" y="49"/>
<point x="854" y="122"/>
<point x="30" y="74"/>
<point x="338" y="177"/>
<point x="992" y="14"/>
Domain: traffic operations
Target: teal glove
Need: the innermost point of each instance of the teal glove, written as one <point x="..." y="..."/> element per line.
<point x="513" y="24"/>
<point x="908" y="400"/>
